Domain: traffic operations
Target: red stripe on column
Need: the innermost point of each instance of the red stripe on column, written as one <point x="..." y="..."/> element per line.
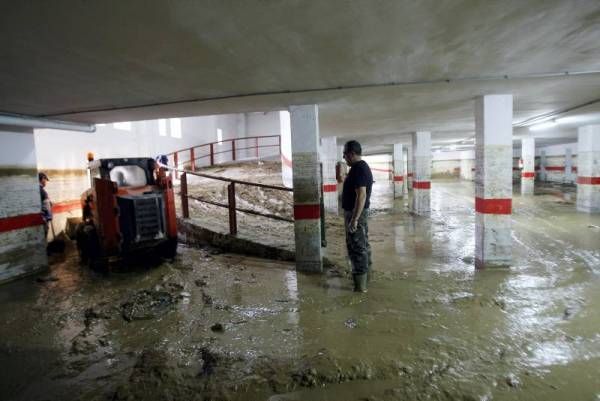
<point x="493" y="206"/>
<point x="18" y="222"/>
<point x="67" y="206"/>
<point x="422" y="184"/>
<point x="330" y="188"/>
<point x="527" y="174"/>
<point x="383" y="170"/>
<point x="516" y="168"/>
<point x="410" y="174"/>
<point x="588" y="180"/>
<point x="554" y="168"/>
<point x="574" y="169"/>
<point x="398" y="178"/>
<point x="307" y="212"/>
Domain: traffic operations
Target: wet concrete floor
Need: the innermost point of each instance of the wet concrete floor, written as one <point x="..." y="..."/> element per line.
<point x="214" y="326"/>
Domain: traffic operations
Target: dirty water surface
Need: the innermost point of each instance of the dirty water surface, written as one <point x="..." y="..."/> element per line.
<point x="215" y="326"/>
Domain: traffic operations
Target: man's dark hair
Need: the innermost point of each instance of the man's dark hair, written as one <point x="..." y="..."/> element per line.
<point x="354" y="147"/>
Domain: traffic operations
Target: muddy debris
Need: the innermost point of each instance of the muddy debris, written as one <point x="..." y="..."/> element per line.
<point x="147" y="304"/>
<point x="351" y="323"/>
<point x="201" y="283"/>
<point x="512" y="380"/>
<point x="207" y="299"/>
<point x="46" y="279"/>
<point x="218" y="328"/>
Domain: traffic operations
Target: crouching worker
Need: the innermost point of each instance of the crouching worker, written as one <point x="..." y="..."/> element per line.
<point x="356" y="196"/>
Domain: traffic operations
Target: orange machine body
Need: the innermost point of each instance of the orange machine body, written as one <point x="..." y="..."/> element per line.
<point x="129" y="206"/>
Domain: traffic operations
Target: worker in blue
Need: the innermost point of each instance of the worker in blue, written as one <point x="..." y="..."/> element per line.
<point x="356" y="199"/>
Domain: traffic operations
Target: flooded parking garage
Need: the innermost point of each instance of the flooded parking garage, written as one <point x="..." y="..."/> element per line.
<point x="218" y="326"/>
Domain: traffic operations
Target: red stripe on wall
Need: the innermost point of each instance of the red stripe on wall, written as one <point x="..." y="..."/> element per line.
<point x="588" y="180"/>
<point x="307" y="212"/>
<point x="383" y="170"/>
<point x="66" y="206"/>
<point x="574" y="169"/>
<point x="493" y="206"/>
<point x="330" y="188"/>
<point x="410" y="174"/>
<point x="398" y="178"/>
<point x="421" y="184"/>
<point x="554" y="168"/>
<point x="22" y="221"/>
<point x="527" y="174"/>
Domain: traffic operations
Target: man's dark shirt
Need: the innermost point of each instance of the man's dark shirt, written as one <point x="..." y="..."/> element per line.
<point x="359" y="176"/>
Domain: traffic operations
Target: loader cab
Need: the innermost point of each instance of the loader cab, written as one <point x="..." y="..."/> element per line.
<point x="125" y="172"/>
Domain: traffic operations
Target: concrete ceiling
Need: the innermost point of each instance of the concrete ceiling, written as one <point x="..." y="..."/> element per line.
<point x="378" y="69"/>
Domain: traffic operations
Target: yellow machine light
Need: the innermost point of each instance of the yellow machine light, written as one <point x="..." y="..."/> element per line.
<point x="90" y="156"/>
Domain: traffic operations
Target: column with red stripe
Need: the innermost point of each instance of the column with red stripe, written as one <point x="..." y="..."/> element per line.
<point x="588" y="169"/>
<point x="307" y="187"/>
<point x="409" y="167"/>
<point x="398" y="170"/>
<point x="528" y="172"/>
<point x="329" y="156"/>
<point x="421" y="145"/>
<point x="493" y="180"/>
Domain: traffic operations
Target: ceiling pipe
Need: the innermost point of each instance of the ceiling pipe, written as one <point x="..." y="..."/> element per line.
<point x="37" y="122"/>
<point x="331" y="89"/>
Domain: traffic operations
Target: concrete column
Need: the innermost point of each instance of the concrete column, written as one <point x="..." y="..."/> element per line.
<point x="493" y="180"/>
<point x="405" y="168"/>
<point x="307" y="187"/>
<point x="467" y="164"/>
<point x="398" y="170"/>
<point x="329" y="151"/>
<point x="22" y="237"/>
<point x="528" y="172"/>
<point x="410" y="167"/>
<point x="543" y="177"/>
<point x="568" y="177"/>
<point x="588" y="169"/>
<point x="421" y="145"/>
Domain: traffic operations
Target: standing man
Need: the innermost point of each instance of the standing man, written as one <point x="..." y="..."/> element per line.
<point x="356" y="197"/>
<point x="45" y="201"/>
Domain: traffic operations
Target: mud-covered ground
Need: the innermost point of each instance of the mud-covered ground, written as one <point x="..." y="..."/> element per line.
<point x="213" y="326"/>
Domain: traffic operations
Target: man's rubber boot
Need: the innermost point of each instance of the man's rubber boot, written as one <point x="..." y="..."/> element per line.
<point x="360" y="282"/>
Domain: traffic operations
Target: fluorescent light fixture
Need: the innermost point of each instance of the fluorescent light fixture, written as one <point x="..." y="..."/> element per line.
<point x="452" y="147"/>
<point x="543" y="126"/>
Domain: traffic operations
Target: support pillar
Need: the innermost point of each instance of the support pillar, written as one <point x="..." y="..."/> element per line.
<point x="398" y="170"/>
<point x="307" y="187"/>
<point x="410" y="167"/>
<point x="405" y="168"/>
<point x="528" y="172"/>
<point x="421" y="145"/>
<point x="543" y="176"/>
<point x="493" y="180"/>
<point x="22" y="234"/>
<point x="329" y="158"/>
<point x="588" y="169"/>
<point x="568" y="177"/>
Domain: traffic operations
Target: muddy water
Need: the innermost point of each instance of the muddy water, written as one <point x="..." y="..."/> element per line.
<point x="219" y="326"/>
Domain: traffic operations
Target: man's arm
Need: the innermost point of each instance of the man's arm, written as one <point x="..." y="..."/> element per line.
<point x="359" y="205"/>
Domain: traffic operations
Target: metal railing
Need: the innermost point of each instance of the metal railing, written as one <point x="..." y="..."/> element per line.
<point x="231" y="204"/>
<point x="228" y="150"/>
